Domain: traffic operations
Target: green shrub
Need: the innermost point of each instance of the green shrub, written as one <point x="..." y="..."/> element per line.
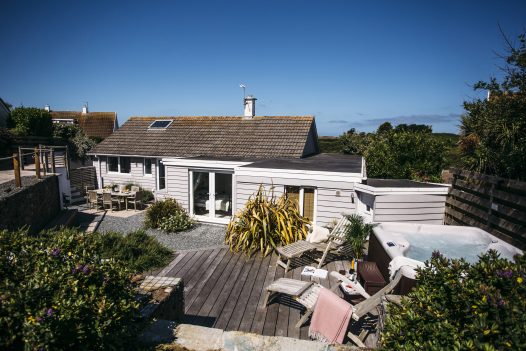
<point x="462" y="306"/>
<point x="356" y="234"/>
<point x="265" y="223"/>
<point x="137" y="250"/>
<point x="57" y="294"/>
<point x="177" y="223"/>
<point x="159" y="211"/>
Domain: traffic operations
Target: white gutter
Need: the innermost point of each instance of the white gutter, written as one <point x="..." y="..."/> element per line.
<point x="442" y="190"/>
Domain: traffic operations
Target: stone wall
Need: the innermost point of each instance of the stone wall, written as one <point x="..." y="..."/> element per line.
<point x="34" y="205"/>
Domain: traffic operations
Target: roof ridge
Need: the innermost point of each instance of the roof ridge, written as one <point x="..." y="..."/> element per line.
<point x="216" y="117"/>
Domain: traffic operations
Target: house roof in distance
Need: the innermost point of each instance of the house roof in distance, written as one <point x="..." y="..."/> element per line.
<point x="320" y="162"/>
<point x="232" y="137"/>
<point x="94" y="124"/>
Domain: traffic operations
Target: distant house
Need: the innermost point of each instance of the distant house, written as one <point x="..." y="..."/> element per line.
<point x="4" y="113"/>
<point x="212" y="165"/>
<point x="94" y="124"/>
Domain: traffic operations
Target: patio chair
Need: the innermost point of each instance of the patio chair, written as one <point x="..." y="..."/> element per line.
<point x="135" y="199"/>
<point x="87" y="189"/>
<point x="307" y="293"/>
<point x="93" y="199"/>
<point x="108" y="200"/>
<point x="299" y="248"/>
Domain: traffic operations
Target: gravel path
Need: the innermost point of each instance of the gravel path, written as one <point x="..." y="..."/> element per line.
<point x="199" y="237"/>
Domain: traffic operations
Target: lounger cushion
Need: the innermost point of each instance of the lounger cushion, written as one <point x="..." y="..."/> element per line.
<point x="318" y="235"/>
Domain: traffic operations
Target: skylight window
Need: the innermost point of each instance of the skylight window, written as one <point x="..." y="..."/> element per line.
<point x="160" y="124"/>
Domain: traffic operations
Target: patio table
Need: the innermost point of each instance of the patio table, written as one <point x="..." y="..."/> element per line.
<point x="125" y="195"/>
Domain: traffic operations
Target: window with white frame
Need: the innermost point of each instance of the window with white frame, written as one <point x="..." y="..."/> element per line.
<point x="117" y="164"/>
<point x="147" y="166"/>
<point x="304" y="199"/>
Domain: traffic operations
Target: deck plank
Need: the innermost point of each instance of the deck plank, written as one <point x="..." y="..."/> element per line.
<point x="196" y="275"/>
<point x="257" y="290"/>
<point x="269" y="327"/>
<point x="261" y="312"/>
<point x="175" y="271"/>
<point x="231" y="301"/>
<point x="222" y="287"/>
<point x="194" y="304"/>
<point x="244" y="295"/>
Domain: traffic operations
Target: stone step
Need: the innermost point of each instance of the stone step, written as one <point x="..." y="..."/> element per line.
<point x="200" y="338"/>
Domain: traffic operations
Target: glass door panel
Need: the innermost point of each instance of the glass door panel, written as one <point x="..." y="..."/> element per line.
<point x="201" y="193"/>
<point x="223" y="195"/>
<point x="308" y="203"/>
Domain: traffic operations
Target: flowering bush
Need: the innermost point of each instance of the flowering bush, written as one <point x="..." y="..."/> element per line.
<point x="462" y="306"/>
<point x="159" y="213"/>
<point x="56" y="293"/>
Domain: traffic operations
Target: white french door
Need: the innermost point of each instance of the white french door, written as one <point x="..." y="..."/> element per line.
<point x="211" y="195"/>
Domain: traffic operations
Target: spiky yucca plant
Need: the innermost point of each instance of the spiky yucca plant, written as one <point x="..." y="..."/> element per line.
<point x="264" y="223"/>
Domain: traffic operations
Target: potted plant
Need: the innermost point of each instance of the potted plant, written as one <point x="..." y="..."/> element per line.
<point x="357" y="234"/>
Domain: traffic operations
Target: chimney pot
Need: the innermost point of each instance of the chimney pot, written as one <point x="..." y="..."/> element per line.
<point x="85" y="109"/>
<point x="47" y="108"/>
<point x="250" y="107"/>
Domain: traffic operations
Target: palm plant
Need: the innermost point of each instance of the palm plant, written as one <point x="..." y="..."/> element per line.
<point x="356" y="234"/>
<point x="265" y="223"/>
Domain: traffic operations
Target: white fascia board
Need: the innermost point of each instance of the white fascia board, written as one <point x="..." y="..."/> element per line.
<point x="120" y="155"/>
<point x="192" y="163"/>
<point x="298" y="174"/>
<point x="443" y="190"/>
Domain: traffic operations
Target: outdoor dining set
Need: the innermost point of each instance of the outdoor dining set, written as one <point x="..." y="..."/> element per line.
<point x="111" y="198"/>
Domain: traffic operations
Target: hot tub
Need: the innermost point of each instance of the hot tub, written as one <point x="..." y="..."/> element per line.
<point x="418" y="241"/>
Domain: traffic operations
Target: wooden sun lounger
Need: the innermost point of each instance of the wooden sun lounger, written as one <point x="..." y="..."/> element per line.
<point x="299" y="248"/>
<point x="307" y="293"/>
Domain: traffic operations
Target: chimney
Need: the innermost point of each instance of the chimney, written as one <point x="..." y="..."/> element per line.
<point x="47" y="108"/>
<point x="85" y="109"/>
<point x="250" y="106"/>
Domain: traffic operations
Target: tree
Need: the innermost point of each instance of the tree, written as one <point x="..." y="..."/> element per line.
<point x="493" y="131"/>
<point x="78" y="142"/>
<point x="31" y="121"/>
<point x="422" y="128"/>
<point x="385" y="127"/>
<point x="398" y="154"/>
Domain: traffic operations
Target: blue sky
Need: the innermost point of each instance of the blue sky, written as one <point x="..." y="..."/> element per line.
<point x="349" y="63"/>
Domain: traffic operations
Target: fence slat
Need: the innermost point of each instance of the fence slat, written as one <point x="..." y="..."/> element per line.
<point x="494" y="204"/>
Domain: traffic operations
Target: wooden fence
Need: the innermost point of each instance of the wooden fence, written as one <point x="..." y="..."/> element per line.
<point x="82" y="177"/>
<point x="494" y="204"/>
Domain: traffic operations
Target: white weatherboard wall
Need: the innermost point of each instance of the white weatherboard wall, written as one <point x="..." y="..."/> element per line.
<point x="420" y="205"/>
<point x="334" y="191"/>
<point x="177" y="184"/>
<point x="428" y="209"/>
<point x="135" y="176"/>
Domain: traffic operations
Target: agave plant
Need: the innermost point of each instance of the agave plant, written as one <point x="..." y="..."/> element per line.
<point x="264" y="223"/>
<point x="356" y="234"/>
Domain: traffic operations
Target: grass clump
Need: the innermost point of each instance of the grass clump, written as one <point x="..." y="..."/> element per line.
<point x="137" y="250"/>
<point x="265" y="223"/>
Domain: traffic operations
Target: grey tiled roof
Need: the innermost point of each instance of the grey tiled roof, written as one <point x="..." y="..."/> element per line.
<point x="259" y="137"/>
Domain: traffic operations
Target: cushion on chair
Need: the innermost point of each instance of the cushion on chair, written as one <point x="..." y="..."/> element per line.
<point x="318" y="235"/>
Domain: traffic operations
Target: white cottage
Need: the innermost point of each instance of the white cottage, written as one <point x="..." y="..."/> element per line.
<point x="211" y="165"/>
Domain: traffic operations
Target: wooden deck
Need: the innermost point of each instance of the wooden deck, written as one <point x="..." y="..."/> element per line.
<point x="226" y="291"/>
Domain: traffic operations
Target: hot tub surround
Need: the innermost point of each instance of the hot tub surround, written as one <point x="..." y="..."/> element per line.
<point x="390" y="240"/>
